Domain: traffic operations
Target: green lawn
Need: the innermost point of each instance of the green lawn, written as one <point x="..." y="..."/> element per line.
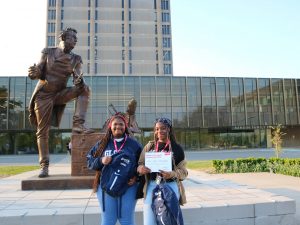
<point x="6" y="171"/>
<point x="203" y="165"/>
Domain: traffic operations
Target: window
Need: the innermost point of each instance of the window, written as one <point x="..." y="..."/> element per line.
<point x="96" y="3"/>
<point x="130" y="55"/>
<point x="122" y="15"/>
<point x="88" y="68"/>
<point x="130" y="41"/>
<point x="167" y="42"/>
<point x="62" y="3"/>
<point x="51" y="14"/>
<point x="167" y="68"/>
<point x="88" y="54"/>
<point x="61" y="26"/>
<point x="51" y="41"/>
<point x="166" y="29"/>
<point x="52" y="3"/>
<point x="89" y="28"/>
<point x="96" y="54"/>
<point x="156" y="42"/>
<point x="51" y="27"/>
<point x="123" y="4"/>
<point x="165" y="4"/>
<point x="129" y="16"/>
<point x="154" y="4"/>
<point x="123" y="54"/>
<point x="96" y="28"/>
<point x="129" y="28"/>
<point x="96" y="40"/>
<point x="156" y="55"/>
<point x="122" y="28"/>
<point x="89" y="41"/>
<point x="129" y="4"/>
<point x="96" y="14"/>
<point x="167" y="55"/>
<point x="123" y="41"/>
<point x="155" y="29"/>
<point x="89" y="15"/>
<point x="96" y="69"/>
<point x="130" y="68"/>
<point x="157" y="69"/>
<point x="62" y="14"/>
<point x="89" y="3"/>
<point x="123" y="68"/>
<point x="165" y="17"/>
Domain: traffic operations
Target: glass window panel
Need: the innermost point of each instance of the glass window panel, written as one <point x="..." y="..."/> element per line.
<point x="194" y="92"/>
<point x="163" y="86"/>
<point x="4" y="88"/>
<point x="148" y="86"/>
<point x="290" y="101"/>
<point x="17" y="103"/>
<point x="178" y="86"/>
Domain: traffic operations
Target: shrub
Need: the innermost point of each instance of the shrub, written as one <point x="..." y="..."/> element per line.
<point x="275" y="165"/>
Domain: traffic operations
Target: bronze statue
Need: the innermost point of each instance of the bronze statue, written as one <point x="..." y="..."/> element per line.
<point x="51" y="93"/>
<point x="131" y="118"/>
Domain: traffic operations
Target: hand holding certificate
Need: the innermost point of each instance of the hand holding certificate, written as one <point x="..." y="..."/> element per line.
<point x="157" y="161"/>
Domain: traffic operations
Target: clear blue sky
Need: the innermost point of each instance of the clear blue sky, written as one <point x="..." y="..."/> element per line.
<point x="254" y="38"/>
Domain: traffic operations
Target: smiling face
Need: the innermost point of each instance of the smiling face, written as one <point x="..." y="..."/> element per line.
<point x="117" y="128"/>
<point x="161" y="132"/>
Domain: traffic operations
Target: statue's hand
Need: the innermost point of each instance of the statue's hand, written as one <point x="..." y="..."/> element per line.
<point x="34" y="72"/>
<point x="78" y="79"/>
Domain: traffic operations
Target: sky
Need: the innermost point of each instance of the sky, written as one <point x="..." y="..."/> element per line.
<point x="227" y="38"/>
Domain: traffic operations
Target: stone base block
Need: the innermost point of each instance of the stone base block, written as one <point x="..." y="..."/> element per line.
<point x="81" y="144"/>
<point x="58" y="182"/>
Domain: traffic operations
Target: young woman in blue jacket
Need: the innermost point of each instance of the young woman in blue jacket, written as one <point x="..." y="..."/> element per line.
<point x="115" y="140"/>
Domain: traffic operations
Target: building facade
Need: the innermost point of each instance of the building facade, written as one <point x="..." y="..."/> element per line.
<point x="207" y="112"/>
<point x="116" y="37"/>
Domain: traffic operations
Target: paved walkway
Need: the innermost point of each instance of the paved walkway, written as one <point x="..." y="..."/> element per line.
<point x="220" y="199"/>
<point x="275" y="183"/>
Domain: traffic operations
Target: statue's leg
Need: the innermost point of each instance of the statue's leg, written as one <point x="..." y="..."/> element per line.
<point x="43" y="110"/>
<point x="81" y="94"/>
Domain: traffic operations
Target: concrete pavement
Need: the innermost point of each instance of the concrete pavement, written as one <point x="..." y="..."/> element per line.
<point x="217" y="199"/>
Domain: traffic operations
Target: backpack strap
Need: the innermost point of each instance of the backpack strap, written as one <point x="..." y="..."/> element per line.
<point x="103" y="200"/>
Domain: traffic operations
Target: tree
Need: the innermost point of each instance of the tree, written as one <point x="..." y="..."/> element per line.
<point x="277" y="139"/>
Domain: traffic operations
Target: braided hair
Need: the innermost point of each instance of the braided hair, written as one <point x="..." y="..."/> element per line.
<point x="103" y="143"/>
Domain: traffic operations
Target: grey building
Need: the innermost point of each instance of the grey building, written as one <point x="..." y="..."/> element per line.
<point x="207" y="112"/>
<point x="116" y="37"/>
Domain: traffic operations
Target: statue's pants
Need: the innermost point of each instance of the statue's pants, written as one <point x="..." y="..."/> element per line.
<point x="43" y="108"/>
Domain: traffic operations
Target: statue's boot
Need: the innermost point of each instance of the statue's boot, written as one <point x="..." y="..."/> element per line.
<point x="81" y="106"/>
<point x="43" y="157"/>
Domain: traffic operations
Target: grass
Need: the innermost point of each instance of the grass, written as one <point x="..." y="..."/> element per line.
<point x="201" y="165"/>
<point x="6" y="171"/>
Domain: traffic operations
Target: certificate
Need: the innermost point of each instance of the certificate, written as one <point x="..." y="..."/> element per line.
<point x="158" y="161"/>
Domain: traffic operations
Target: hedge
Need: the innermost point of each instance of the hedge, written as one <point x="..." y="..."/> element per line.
<point x="276" y="165"/>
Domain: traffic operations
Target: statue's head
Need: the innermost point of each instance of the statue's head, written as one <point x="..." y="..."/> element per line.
<point x="68" y="39"/>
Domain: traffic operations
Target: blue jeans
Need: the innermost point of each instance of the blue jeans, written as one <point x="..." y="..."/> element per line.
<point x="149" y="217"/>
<point x="120" y="208"/>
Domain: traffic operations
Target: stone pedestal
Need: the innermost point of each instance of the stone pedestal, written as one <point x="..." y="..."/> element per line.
<point x="80" y="177"/>
<point x="81" y="144"/>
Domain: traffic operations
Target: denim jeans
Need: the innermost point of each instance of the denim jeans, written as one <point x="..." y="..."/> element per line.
<point x="120" y="208"/>
<point x="149" y="217"/>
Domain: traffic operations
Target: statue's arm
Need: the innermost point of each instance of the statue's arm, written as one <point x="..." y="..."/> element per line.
<point x="35" y="71"/>
<point x="77" y="72"/>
